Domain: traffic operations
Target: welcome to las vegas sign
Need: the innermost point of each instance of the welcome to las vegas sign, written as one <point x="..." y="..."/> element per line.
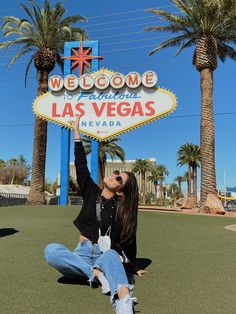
<point x="109" y="103"/>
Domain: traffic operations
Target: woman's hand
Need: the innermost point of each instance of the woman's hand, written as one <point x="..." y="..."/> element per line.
<point x="141" y="272"/>
<point x="75" y="126"/>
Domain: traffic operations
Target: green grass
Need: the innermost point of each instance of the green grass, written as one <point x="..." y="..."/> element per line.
<point x="193" y="267"/>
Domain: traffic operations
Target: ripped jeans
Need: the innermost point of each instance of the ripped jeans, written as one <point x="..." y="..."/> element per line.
<point x="84" y="259"/>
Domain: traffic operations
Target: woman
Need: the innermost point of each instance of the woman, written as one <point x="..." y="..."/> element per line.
<point x="107" y="223"/>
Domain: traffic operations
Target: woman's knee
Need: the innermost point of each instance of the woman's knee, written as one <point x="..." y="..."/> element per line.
<point x="111" y="253"/>
<point x="51" y="251"/>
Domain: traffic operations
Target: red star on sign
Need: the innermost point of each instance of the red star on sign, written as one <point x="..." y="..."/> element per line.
<point x="81" y="57"/>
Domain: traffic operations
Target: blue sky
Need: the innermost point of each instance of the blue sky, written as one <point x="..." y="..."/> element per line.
<point x="124" y="46"/>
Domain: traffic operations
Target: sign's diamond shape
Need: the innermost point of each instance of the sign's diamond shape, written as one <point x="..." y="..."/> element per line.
<point x="107" y="113"/>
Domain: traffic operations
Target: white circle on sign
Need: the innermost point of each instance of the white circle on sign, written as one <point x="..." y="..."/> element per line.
<point x="71" y="82"/>
<point x="117" y="80"/>
<point x="86" y="81"/>
<point x="101" y="81"/>
<point x="149" y="79"/>
<point x="55" y="83"/>
<point x="133" y="79"/>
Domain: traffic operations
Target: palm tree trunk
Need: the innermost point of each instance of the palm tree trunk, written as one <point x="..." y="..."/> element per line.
<point x="208" y="177"/>
<point x="161" y="191"/>
<point x="155" y="189"/>
<point x="195" y="185"/>
<point x="189" y="181"/>
<point x="164" y="194"/>
<point x="36" y="194"/>
<point x="143" y="187"/>
<point x="180" y="188"/>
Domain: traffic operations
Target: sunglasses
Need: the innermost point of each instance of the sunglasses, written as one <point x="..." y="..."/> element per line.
<point x="118" y="178"/>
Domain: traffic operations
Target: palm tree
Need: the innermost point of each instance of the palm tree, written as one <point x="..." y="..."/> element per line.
<point x="209" y="26"/>
<point x="142" y="166"/>
<point x="13" y="164"/>
<point x="2" y="163"/>
<point x="189" y="154"/>
<point x="186" y="179"/>
<point x="174" y="192"/>
<point x="162" y="172"/>
<point x="42" y="36"/>
<point x="179" y="180"/>
<point x="107" y="147"/>
<point x="154" y="178"/>
<point x="164" y="189"/>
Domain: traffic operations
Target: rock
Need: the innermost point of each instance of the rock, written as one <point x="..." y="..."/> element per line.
<point x="188" y="202"/>
<point x="213" y="205"/>
<point x="179" y="201"/>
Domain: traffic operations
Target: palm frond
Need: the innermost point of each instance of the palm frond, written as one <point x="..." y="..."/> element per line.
<point x="19" y="54"/>
<point x="73" y="19"/>
<point x="184" y="6"/>
<point x="159" y="28"/>
<point x="167" y="16"/>
<point x="28" y="67"/>
<point x="39" y="20"/>
<point x="226" y="51"/>
<point x="42" y="28"/>
<point x="77" y="32"/>
<point x="196" y="19"/>
<point x="29" y="13"/>
<point x="9" y="20"/>
<point x="172" y="42"/>
<point x="57" y="12"/>
<point x="188" y="44"/>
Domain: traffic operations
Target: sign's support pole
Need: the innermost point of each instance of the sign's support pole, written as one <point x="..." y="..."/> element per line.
<point x="95" y="143"/>
<point x="65" y="161"/>
<point x="65" y="133"/>
<point x="65" y="144"/>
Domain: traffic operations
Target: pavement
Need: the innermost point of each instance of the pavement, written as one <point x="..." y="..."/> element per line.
<point x="194" y="211"/>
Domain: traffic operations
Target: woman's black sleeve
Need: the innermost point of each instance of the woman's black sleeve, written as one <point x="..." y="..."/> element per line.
<point x="84" y="180"/>
<point x="130" y="250"/>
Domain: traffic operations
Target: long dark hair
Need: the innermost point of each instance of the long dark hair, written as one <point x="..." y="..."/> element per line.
<point x="127" y="208"/>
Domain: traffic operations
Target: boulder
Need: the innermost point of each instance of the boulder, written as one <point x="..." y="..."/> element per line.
<point x="213" y="205"/>
<point x="179" y="201"/>
<point x="188" y="202"/>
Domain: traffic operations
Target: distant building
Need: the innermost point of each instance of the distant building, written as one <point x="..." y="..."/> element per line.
<point x="13" y="194"/>
<point x="72" y="170"/>
<point x="14" y="189"/>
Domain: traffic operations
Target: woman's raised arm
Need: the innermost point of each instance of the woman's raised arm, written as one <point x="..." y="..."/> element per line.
<point x="75" y="126"/>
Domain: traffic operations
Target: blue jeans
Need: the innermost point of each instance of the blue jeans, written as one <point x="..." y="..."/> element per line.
<point x="84" y="259"/>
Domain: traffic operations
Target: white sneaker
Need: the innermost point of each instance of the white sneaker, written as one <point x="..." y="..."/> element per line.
<point x="125" y="305"/>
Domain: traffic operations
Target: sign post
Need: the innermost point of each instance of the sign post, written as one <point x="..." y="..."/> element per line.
<point x="65" y="132"/>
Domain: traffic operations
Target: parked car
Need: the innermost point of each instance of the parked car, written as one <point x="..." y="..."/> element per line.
<point x="2" y="200"/>
<point x="230" y="205"/>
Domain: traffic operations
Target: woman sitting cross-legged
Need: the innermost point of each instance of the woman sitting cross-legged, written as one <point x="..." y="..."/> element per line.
<point x="107" y="223"/>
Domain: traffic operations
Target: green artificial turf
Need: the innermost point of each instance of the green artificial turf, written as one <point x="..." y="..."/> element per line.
<point x="192" y="270"/>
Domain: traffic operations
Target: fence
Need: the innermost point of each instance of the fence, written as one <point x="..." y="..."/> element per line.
<point x="75" y="200"/>
<point x="11" y="199"/>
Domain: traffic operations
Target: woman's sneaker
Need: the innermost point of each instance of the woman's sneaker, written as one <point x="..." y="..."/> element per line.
<point x="125" y="305"/>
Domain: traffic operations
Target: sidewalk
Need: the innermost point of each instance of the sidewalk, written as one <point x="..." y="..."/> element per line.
<point x="194" y="211"/>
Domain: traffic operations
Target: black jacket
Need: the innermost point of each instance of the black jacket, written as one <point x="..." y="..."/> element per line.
<point x="87" y="222"/>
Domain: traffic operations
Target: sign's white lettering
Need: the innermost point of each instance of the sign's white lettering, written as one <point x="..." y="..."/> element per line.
<point x="102" y="81"/>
